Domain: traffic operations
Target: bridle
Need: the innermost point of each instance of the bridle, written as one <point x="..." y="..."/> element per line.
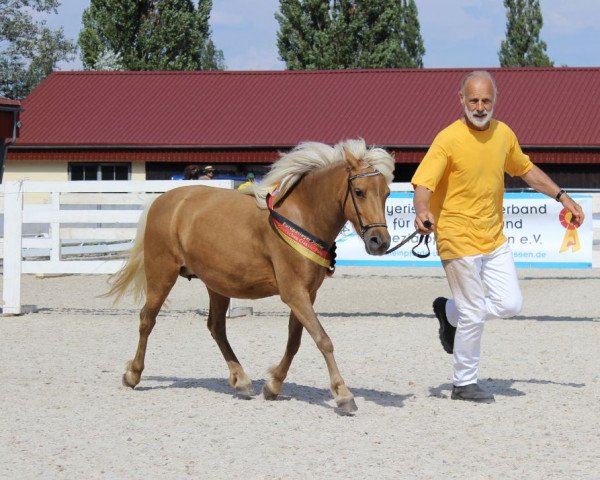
<point x="363" y="228"/>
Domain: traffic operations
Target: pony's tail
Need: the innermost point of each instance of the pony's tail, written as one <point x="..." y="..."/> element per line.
<point x="131" y="276"/>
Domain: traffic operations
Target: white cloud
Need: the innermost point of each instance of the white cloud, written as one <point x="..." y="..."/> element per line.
<point x="255" y="59"/>
<point x="450" y="20"/>
<point x="222" y="18"/>
<point x="562" y="17"/>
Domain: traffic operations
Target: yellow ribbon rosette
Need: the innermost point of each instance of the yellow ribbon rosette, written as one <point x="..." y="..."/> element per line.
<point x="571" y="239"/>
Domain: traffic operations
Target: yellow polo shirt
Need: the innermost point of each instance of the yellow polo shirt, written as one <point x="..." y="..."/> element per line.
<point x="464" y="169"/>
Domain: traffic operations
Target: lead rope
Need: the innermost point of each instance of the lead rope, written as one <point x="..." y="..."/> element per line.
<point x="422" y="239"/>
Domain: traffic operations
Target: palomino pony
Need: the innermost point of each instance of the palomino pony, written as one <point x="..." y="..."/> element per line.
<point x="244" y="247"/>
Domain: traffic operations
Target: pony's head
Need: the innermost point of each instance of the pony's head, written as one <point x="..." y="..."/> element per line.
<point x="369" y="171"/>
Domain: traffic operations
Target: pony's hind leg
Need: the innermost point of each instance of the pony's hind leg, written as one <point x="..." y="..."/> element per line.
<point x="158" y="290"/>
<point x="272" y="387"/>
<point x="216" y="325"/>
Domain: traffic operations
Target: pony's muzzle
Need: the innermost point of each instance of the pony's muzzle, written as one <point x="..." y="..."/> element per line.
<point x="377" y="241"/>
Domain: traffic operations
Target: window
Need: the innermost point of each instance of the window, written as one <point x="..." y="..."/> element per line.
<point x="99" y="171"/>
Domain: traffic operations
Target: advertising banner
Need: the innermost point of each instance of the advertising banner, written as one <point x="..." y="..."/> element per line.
<point x="537" y="227"/>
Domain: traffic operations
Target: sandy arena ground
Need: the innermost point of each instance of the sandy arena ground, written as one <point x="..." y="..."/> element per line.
<point x="65" y="415"/>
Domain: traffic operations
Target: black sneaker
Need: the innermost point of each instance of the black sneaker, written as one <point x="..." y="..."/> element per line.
<point x="446" y="331"/>
<point x="472" y="393"/>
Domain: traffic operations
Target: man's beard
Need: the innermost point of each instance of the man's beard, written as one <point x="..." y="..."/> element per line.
<point x="479" y="122"/>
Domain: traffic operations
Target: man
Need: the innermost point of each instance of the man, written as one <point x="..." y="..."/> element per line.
<point x="209" y="173"/>
<point x="249" y="181"/>
<point x="459" y="188"/>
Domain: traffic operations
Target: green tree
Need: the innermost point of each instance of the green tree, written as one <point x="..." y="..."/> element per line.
<point x="412" y="40"/>
<point x="108" y="61"/>
<point x="29" y="50"/>
<point x="522" y="46"/>
<point x="338" y="34"/>
<point x="149" y="35"/>
<point x="303" y="36"/>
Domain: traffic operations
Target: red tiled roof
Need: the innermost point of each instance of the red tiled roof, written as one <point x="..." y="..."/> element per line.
<point x="546" y="107"/>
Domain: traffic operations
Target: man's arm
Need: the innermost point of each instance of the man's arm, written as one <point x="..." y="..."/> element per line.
<point x="421" y="204"/>
<point x="537" y="179"/>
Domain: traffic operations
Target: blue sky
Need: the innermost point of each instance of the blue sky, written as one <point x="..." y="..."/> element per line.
<point x="457" y="33"/>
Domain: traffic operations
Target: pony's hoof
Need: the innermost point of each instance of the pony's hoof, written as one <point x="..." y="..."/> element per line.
<point x="130" y="378"/>
<point x="126" y="382"/>
<point x="268" y="393"/>
<point x="346" y="407"/>
<point x="246" y="392"/>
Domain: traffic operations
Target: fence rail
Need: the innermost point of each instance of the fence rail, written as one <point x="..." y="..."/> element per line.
<point x="72" y="207"/>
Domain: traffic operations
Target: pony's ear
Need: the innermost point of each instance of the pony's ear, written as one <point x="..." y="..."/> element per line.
<point x="351" y="159"/>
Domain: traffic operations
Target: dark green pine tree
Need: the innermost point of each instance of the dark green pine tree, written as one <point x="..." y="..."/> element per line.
<point x="339" y="34"/>
<point x="522" y="46"/>
<point x="412" y="39"/>
<point x="149" y="35"/>
<point x="302" y="38"/>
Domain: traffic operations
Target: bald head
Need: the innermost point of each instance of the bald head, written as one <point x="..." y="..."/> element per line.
<point x="479" y="76"/>
<point x="478" y="96"/>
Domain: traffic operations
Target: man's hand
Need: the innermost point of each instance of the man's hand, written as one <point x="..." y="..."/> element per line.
<point x="424" y="225"/>
<point x="573" y="207"/>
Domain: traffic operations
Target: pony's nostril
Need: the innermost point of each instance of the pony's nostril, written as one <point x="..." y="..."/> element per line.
<point x="377" y="245"/>
<point x="375" y="242"/>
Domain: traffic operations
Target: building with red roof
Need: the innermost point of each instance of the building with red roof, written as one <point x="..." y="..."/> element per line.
<point x="9" y="127"/>
<point x="150" y="125"/>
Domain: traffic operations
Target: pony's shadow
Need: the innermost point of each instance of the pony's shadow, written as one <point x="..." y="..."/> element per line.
<point x="291" y="390"/>
<point x="501" y="386"/>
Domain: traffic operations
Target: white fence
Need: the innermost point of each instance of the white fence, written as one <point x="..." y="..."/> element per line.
<point x="79" y="212"/>
<point x="102" y="215"/>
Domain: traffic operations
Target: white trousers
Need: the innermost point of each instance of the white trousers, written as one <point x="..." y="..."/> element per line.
<point x="483" y="286"/>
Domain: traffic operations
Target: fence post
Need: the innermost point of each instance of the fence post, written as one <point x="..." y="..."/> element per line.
<point x="13" y="238"/>
<point x="55" y="229"/>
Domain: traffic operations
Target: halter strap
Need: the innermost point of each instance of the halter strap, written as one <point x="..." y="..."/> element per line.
<point x="363" y="228"/>
<point x="366" y="174"/>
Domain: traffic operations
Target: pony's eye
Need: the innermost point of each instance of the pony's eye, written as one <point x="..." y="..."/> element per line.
<point x="359" y="193"/>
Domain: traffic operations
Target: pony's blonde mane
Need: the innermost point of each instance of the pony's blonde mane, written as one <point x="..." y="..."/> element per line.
<point x="309" y="156"/>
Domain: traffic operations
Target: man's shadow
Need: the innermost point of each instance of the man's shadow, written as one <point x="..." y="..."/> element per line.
<point x="500" y="386"/>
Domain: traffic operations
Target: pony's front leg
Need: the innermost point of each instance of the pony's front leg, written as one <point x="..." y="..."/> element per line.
<point x="343" y="397"/>
<point x="216" y="324"/>
<point x="272" y="388"/>
<point x="302" y="308"/>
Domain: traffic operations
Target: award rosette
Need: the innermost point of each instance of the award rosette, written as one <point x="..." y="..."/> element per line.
<point x="571" y="239"/>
